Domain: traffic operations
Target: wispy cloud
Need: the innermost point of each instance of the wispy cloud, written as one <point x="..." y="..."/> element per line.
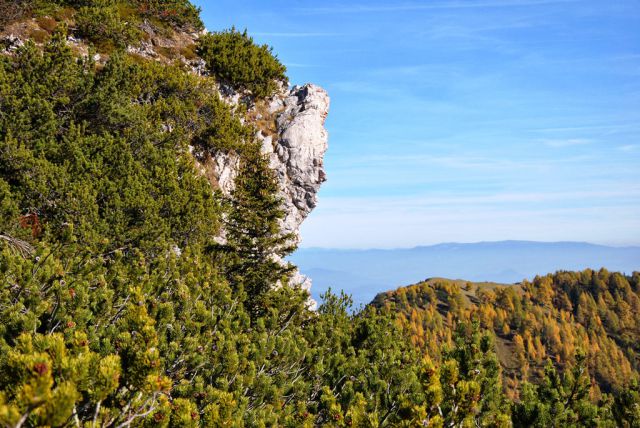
<point x="467" y="162"/>
<point x="498" y="200"/>
<point x="298" y="65"/>
<point x="479" y="35"/>
<point x="297" y="35"/>
<point x="568" y="142"/>
<point x="604" y="127"/>
<point x="409" y="7"/>
<point x="629" y="148"/>
<point x="419" y="221"/>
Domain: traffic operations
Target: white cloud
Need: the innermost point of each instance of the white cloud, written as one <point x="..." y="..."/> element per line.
<point x="467" y="162"/>
<point x="419" y="203"/>
<point x="612" y="128"/>
<point x="296" y="34"/>
<point x="568" y="142"/>
<point x="392" y="223"/>
<point x="629" y="148"/>
<point x="298" y="65"/>
<point x="408" y="7"/>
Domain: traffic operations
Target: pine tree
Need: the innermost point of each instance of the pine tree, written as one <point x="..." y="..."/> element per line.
<point x="255" y="245"/>
<point x="626" y="407"/>
<point x="560" y="401"/>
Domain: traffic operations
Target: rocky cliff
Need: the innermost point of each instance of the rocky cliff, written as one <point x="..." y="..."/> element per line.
<point x="295" y="145"/>
<point x="296" y="151"/>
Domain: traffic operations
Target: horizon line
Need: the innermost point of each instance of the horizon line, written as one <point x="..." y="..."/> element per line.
<point x="593" y="244"/>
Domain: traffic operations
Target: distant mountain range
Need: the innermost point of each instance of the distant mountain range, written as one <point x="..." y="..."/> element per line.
<point x="364" y="273"/>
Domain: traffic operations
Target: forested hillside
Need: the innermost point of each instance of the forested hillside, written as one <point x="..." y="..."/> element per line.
<point x="558" y="318"/>
<point x="134" y="293"/>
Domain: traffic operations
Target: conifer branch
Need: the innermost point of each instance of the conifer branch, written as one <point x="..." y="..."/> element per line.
<point x="21" y="247"/>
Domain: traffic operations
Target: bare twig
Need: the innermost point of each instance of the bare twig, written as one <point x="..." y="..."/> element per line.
<point x="95" y="415"/>
<point x="21" y="247"/>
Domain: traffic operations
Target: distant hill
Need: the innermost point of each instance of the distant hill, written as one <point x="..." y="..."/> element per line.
<point x="364" y="273"/>
<point x="550" y="318"/>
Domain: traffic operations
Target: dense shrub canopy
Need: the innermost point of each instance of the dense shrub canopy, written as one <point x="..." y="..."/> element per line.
<point x="233" y="57"/>
<point x="108" y="25"/>
<point x="93" y="149"/>
<point x="180" y="14"/>
<point x="103" y="26"/>
<point x="552" y="318"/>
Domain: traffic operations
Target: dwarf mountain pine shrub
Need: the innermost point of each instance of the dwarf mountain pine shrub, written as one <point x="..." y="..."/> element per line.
<point x="234" y="58"/>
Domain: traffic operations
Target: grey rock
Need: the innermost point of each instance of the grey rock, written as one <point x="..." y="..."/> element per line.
<point x="297" y="159"/>
<point x="11" y="43"/>
<point x="295" y="154"/>
<point x="225" y="167"/>
<point x="299" y="152"/>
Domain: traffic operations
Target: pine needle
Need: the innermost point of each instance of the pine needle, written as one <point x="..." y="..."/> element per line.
<point x="21" y="247"/>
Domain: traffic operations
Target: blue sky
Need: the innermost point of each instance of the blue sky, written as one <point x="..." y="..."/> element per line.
<point x="465" y="121"/>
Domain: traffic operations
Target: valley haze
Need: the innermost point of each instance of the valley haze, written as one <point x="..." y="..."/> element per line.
<point x="365" y="272"/>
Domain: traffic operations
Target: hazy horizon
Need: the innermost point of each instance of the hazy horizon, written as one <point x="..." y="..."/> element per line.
<point x="365" y="272"/>
<point x="632" y="245"/>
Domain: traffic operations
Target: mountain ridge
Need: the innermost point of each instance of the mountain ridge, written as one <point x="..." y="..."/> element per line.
<point x="451" y="243"/>
<point x="143" y="224"/>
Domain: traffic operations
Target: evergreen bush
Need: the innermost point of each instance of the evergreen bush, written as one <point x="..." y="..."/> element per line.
<point x="102" y="24"/>
<point x="234" y="58"/>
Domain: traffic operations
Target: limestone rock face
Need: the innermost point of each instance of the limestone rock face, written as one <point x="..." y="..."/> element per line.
<point x="295" y="150"/>
<point x="297" y="157"/>
<point x="225" y="167"/>
<point x="297" y="154"/>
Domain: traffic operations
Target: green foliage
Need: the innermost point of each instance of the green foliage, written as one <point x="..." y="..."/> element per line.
<point x="179" y="14"/>
<point x="234" y="58"/>
<point x="358" y="356"/>
<point x="105" y="152"/>
<point x="102" y="24"/>
<point x="107" y="322"/>
<point x="626" y="407"/>
<point x="107" y="24"/>
<point x="46" y="375"/>
<point x="561" y="401"/>
<point x="466" y="389"/>
<point x="255" y="244"/>
<point x="553" y="316"/>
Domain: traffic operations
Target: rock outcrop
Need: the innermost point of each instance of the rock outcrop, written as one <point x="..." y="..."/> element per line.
<point x="296" y="151"/>
<point x="297" y="154"/>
